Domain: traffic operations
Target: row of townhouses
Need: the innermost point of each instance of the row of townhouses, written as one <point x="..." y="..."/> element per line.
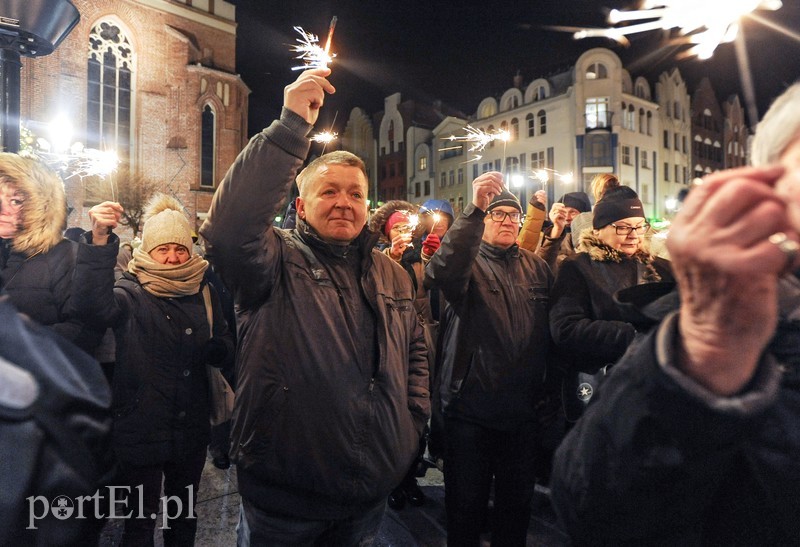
<point x="156" y="81"/>
<point x="564" y="129"/>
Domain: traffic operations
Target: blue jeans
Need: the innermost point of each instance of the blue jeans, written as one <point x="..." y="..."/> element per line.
<point x="257" y="528"/>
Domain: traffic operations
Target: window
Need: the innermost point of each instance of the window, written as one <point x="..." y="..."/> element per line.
<point x="540" y="93"/>
<point x="666" y="171"/>
<point x="631" y="114"/>
<point x="417" y="190"/>
<point x="109" y="77"/>
<point x="460" y="175"/>
<point x="515" y="129"/>
<point x="443" y="180"/>
<point x="392" y="172"/>
<point x="641" y="120"/>
<point x="597" y="71"/>
<point x="684" y="144"/>
<point x="597" y="112"/>
<point x="531" y="124"/>
<point x="678" y="174"/>
<point x="423" y="163"/>
<point x="666" y="139"/>
<point x="677" y="142"/>
<point x="542" y="115"/>
<point x="649" y="123"/>
<point x="452" y="178"/>
<point x="207" y="147"/>
<point x="537" y="160"/>
<point x="513" y="102"/>
<point x="626" y="155"/>
<point x="460" y="204"/>
<point x="644" y="160"/>
<point x="427" y="187"/>
<point x="490" y="131"/>
<point x="474" y="171"/>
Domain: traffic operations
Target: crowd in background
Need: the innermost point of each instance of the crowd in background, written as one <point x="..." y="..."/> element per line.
<point x="500" y="344"/>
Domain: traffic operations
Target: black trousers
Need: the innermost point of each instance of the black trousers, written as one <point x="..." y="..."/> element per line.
<point x="178" y="474"/>
<point x="476" y="455"/>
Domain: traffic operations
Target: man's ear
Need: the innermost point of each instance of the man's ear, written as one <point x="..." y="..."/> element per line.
<point x="300" y="205"/>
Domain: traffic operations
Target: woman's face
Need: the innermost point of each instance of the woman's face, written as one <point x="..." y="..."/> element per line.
<point x="397" y="229"/>
<point x="624" y="235"/>
<point x="170" y="253"/>
<point x="11" y="201"/>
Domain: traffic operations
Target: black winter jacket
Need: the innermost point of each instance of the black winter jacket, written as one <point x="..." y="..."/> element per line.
<point x="314" y="435"/>
<point x="40" y="286"/>
<point x="659" y="460"/>
<point x="588" y="326"/>
<point x="495" y="329"/>
<point x="160" y="386"/>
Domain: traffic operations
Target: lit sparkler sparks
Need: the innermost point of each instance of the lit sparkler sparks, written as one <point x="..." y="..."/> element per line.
<point x="480" y="138"/>
<point x="543" y="176"/>
<point x="704" y="24"/>
<point x="325" y="137"/>
<point x="309" y="50"/>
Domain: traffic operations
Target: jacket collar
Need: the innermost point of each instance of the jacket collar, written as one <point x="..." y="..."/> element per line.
<point x="499" y="253"/>
<point x="362" y="244"/>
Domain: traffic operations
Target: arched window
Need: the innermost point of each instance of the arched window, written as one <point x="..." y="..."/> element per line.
<point x="207" y="147"/>
<point x="109" y="76"/>
<point x="597" y="71"/>
<point x="531" y="125"/>
<point x="649" y="123"/>
<point x="642" y="125"/>
<point x="490" y="131"/>
<point x="515" y="129"/>
<point x="542" y="116"/>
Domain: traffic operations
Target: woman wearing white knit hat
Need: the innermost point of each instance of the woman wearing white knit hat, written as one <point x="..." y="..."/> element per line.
<point x="168" y="327"/>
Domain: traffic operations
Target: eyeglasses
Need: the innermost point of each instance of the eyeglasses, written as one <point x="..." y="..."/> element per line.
<point x="626" y="230"/>
<point x="500" y="216"/>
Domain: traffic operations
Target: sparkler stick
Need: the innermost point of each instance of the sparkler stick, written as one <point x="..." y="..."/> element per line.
<point x="331" y="28"/>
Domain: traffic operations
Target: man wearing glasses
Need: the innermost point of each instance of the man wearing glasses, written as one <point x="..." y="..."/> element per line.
<point x="494" y="348"/>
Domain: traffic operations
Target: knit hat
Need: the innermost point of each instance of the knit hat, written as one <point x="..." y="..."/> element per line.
<point x="617" y="203"/>
<point x="504" y="199"/>
<point x="397" y="216"/>
<point x="165" y="223"/>
<point x="576" y="200"/>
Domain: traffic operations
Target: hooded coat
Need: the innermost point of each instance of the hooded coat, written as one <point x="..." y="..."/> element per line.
<point x="36" y="266"/>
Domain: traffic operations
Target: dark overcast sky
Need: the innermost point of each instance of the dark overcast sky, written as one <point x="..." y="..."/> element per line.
<point x="461" y="52"/>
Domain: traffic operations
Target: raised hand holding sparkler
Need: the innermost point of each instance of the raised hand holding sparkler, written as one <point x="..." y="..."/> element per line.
<point x="485" y="188"/>
<point x="306" y="95"/>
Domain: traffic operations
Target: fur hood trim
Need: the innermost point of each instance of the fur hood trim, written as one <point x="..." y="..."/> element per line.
<point x="378" y="219"/>
<point x="601" y="252"/>
<point x="44" y="212"/>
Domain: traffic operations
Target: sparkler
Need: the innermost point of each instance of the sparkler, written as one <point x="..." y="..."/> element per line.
<point x="325" y="137"/>
<point x="704" y="24"/>
<point x="479" y="138"/>
<point x="543" y="176"/>
<point x="310" y="52"/>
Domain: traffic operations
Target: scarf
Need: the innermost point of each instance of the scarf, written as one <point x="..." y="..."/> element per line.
<point x="167" y="280"/>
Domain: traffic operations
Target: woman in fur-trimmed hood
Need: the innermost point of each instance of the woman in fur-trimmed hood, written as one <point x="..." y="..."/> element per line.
<point x="590" y="329"/>
<point x="168" y="325"/>
<point x="36" y="261"/>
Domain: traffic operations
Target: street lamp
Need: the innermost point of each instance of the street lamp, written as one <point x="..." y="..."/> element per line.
<point x="31" y="28"/>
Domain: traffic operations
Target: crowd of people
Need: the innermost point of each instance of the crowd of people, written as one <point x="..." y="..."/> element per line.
<point x="663" y="393"/>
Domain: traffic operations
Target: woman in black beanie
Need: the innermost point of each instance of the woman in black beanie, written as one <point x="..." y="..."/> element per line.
<point x="588" y="327"/>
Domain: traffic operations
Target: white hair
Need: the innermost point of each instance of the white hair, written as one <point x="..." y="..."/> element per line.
<point x="779" y="127"/>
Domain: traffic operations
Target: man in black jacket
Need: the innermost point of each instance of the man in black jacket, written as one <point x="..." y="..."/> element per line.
<point x="492" y="364"/>
<point x="332" y="393"/>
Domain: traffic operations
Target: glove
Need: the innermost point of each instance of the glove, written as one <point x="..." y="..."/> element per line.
<point x="214" y="351"/>
<point x="431" y="244"/>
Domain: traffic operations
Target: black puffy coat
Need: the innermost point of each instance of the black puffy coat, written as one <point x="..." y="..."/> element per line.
<point x="160" y="385"/>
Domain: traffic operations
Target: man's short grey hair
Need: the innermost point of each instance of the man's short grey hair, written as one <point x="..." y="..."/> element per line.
<point x="338" y="157"/>
<point x="779" y="127"/>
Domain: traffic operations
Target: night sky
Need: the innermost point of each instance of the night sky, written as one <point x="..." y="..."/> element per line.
<point x="462" y="52"/>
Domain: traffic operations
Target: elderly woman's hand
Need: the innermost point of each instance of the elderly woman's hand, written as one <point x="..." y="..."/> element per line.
<point x="727" y="268"/>
<point x="105" y="217"/>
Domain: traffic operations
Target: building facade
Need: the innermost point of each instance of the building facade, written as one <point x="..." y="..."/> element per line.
<point x="153" y="80"/>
